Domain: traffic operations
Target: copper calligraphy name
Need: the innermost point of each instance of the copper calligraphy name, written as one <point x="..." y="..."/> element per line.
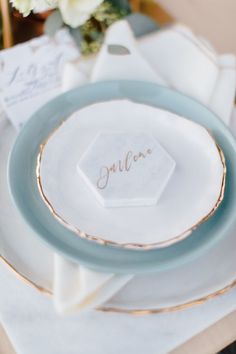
<point x="120" y="166"/>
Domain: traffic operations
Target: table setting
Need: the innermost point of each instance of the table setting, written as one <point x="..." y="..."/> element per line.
<point x="118" y="190"/>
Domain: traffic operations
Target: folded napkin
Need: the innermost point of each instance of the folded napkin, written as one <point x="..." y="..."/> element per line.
<point x="223" y="96"/>
<point x="173" y="57"/>
<point x="183" y="61"/>
<point x="77" y="287"/>
<point x="120" y="58"/>
<point x="186" y="63"/>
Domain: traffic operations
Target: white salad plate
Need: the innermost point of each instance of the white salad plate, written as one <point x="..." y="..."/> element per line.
<point x="205" y="277"/>
<point x="192" y="194"/>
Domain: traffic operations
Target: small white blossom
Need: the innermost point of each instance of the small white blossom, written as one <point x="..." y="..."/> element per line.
<point x="74" y="12"/>
<point x="24" y="6"/>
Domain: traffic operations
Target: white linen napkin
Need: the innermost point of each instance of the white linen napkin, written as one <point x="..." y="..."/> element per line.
<point x="172" y="57"/>
<point x="128" y="63"/>
<point x="186" y="63"/>
<point x="77" y="287"/>
<point x="183" y="61"/>
<point x="223" y="95"/>
<point x="190" y="65"/>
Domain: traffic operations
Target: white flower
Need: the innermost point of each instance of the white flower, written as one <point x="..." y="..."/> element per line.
<point x="44" y="5"/>
<point x="26" y="6"/>
<point x="76" y="12"/>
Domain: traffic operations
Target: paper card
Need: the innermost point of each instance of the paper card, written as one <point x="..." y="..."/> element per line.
<point x="30" y="74"/>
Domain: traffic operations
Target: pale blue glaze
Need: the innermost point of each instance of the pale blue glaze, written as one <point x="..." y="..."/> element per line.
<point x="22" y="180"/>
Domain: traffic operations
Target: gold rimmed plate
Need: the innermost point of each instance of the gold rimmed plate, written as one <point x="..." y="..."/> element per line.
<point x="24" y="184"/>
<point x="193" y="194"/>
<point x="176" y="289"/>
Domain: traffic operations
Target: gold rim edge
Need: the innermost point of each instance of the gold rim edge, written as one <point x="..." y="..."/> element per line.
<point x="183" y="306"/>
<point x="186" y="305"/>
<point x="103" y="241"/>
<point x="23" y="278"/>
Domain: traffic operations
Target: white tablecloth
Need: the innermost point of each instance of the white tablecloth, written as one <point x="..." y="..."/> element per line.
<point x="34" y="328"/>
<point x="32" y="325"/>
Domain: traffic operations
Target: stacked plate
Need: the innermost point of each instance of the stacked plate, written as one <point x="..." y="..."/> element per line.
<point x="133" y="181"/>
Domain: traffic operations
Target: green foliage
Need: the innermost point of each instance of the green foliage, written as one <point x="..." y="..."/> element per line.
<point x="53" y="23"/>
<point x="121" y="4"/>
<point x="92" y="32"/>
<point x="90" y="35"/>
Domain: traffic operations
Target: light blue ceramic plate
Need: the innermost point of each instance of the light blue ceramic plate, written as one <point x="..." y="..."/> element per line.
<point x="23" y="186"/>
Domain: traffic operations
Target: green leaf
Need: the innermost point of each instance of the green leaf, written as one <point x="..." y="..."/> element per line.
<point x="53" y="23"/>
<point x="76" y="34"/>
<point x="121" y="4"/>
<point x="116" y="49"/>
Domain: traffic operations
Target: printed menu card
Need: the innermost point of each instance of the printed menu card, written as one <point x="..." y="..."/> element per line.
<point x="30" y="74"/>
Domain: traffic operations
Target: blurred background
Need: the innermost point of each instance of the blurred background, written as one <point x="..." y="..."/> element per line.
<point x="213" y="19"/>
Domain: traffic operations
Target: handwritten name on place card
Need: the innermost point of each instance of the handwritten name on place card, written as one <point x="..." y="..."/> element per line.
<point x="123" y="165"/>
<point x="30" y="74"/>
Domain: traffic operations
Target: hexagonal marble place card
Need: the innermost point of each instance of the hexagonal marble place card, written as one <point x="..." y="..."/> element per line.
<point x="125" y="169"/>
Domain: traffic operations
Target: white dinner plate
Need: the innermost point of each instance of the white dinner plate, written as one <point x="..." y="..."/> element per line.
<point x="194" y="190"/>
<point x="211" y="274"/>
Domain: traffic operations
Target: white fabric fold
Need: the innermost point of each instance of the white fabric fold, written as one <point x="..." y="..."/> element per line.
<point x="77" y="73"/>
<point x="77" y="287"/>
<point x="173" y="57"/>
<point x="184" y="61"/>
<point x="128" y="64"/>
<point x="223" y="96"/>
